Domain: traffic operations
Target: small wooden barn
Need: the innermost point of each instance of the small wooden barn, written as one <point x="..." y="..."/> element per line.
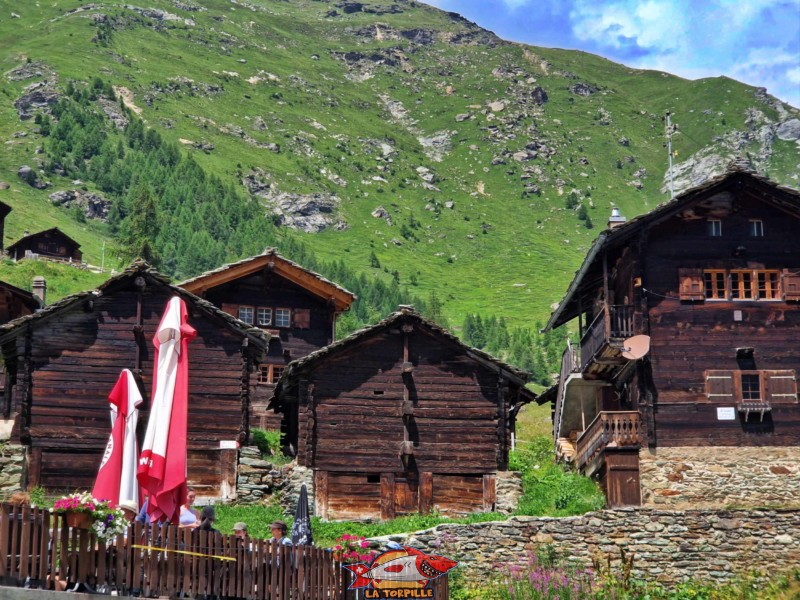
<point x="62" y="362"/>
<point x="52" y="243"/>
<point x="295" y="305"/>
<point x="401" y="418"/>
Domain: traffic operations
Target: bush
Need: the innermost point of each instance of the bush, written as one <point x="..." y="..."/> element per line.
<point x="268" y="441"/>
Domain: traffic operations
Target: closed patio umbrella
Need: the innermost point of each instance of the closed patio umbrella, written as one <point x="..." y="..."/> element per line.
<point x="116" y="477"/>
<point x="162" y="464"/>
<point x="301" y="528"/>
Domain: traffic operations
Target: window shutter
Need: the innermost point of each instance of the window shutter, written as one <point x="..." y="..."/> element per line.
<point x="791" y="285"/>
<point x="231" y="309"/>
<point x="719" y="386"/>
<point x="781" y="386"/>
<point x="302" y="318"/>
<point x="691" y="284"/>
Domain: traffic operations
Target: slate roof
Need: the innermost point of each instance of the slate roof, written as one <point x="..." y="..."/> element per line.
<point x="335" y="289"/>
<point x="404" y="314"/>
<point x="138" y="268"/>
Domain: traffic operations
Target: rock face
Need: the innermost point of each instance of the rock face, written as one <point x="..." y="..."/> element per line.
<point x="311" y="213"/>
<point x="583" y="89"/>
<point x="94" y="206"/>
<point x="789" y="130"/>
<point x="38" y="96"/>
<point x="30" y="177"/>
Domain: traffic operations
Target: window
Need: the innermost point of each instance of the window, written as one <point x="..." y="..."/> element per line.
<point x="264" y="316"/>
<point x="246" y="314"/>
<point x="715" y="228"/>
<point x="715" y="285"/>
<point x="756" y="228"/>
<point x="751" y="387"/>
<point x="768" y="285"/>
<point x="283" y="317"/>
<point x="742" y="285"/>
<point x="270" y="373"/>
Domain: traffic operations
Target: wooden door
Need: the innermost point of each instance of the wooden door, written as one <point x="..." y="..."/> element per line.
<point x="406" y="493"/>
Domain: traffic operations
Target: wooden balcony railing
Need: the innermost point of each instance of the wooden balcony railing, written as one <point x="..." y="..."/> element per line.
<point x="620" y="427"/>
<point x="613" y="321"/>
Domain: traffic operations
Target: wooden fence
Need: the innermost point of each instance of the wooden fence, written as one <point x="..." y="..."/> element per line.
<point x="37" y="548"/>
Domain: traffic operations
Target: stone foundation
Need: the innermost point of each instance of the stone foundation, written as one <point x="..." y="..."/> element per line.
<point x="669" y="546"/>
<point x="508" y="491"/>
<point x="257" y="478"/>
<point x="12" y="468"/>
<point x="720" y="477"/>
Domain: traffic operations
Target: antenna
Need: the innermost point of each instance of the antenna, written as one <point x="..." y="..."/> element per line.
<point x="669" y="129"/>
<point x="636" y="347"/>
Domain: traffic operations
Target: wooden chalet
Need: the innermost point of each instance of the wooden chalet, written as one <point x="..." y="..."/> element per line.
<point x="297" y="307"/>
<point x="4" y="210"/>
<point x="52" y="243"/>
<point x="14" y="303"/>
<point x="401" y="418"/>
<point x="712" y="279"/>
<point x="62" y="362"/>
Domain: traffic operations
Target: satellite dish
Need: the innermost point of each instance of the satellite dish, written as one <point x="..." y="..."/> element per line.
<point x="636" y="347"/>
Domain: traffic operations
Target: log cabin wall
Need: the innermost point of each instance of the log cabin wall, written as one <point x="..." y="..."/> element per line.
<point x="74" y="359"/>
<point x="401" y="422"/>
<point x="691" y="338"/>
<point x="310" y="327"/>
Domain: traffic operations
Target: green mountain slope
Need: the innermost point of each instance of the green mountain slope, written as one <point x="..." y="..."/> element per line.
<point x="389" y="135"/>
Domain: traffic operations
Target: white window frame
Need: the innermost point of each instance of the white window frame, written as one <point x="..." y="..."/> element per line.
<point x="242" y="312"/>
<point x="715" y="227"/>
<point x="756" y="228"/>
<point x="283" y="317"/>
<point x="266" y="311"/>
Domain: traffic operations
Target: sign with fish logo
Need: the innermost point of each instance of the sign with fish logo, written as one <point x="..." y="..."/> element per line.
<point x="400" y="573"/>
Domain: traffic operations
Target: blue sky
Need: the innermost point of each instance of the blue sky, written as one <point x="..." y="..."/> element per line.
<point x="754" y="41"/>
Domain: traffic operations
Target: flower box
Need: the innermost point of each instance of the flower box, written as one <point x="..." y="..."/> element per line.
<point x="78" y="520"/>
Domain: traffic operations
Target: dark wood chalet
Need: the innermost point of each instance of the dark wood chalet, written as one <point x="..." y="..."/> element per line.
<point x="52" y="243"/>
<point x="296" y="306"/>
<point x="14" y="303"/>
<point x="4" y="210"/>
<point x="64" y="360"/>
<point x="401" y="418"/>
<point x="712" y="278"/>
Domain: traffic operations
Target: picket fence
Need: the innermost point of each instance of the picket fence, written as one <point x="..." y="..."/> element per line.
<point x="38" y="549"/>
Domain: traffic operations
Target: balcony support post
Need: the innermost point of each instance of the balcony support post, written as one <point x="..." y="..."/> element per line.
<point x="606" y="300"/>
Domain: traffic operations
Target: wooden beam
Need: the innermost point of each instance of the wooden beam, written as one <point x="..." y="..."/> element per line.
<point x="321" y="494"/>
<point x="387" y="496"/>
<point x="425" y="492"/>
<point x="489" y="492"/>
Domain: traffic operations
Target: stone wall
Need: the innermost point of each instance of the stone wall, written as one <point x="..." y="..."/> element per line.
<point x="720" y="477"/>
<point x="257" y="478"/>
<point x="12" y="468"/>
<point x="669" y="546"/>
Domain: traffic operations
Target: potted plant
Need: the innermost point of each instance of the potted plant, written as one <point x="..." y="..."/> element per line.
<point x="84" y="512"/>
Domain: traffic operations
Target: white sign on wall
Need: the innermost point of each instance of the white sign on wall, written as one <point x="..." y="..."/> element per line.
<point x="726" y="413"/>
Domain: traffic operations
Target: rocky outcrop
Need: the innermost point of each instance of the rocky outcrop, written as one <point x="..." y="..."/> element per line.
<point x="31" y="177"/>
<point x="311" y="213"/>
<point x="93" y="206"/>
<point x="40" y="96"/>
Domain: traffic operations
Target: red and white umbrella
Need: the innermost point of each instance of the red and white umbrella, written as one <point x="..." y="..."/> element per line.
<point x="116" y="478"/>
<point x="162" y="464"/>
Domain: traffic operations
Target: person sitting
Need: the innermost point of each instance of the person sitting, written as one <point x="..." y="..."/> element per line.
<point x="208" y="516"/>
<point x="240" y="530"/>
<point x="189" y="517"/>
<point x="279" y="529"/>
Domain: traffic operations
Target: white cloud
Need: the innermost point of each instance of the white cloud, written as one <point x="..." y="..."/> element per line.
<point x="793" y="75"/>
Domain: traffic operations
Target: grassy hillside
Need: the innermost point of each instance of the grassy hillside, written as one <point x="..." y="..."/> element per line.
<point x="481" y="153"/>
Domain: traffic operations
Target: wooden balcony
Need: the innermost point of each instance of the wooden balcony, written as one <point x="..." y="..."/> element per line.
<point x="618" y="428"/>
<point x="601" y="344"/>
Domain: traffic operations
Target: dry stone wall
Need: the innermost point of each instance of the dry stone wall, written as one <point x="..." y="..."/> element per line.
<point x="669" y="546"/>
<point x="12" y="468"/>
<point x="720" y="477"/>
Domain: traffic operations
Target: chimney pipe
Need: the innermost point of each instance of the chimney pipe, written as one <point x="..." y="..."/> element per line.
<point x="39" y="289"/>
<point x="616" y="219"/>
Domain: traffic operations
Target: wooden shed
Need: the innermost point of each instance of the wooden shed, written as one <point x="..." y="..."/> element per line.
<point x="689" y="321"/>
<point x="402" y="418"/>
<point x="4" y="210"/>
<point x="296" y="306"/>
<point x="64" y="360"/>
<point x="52" y="243"/>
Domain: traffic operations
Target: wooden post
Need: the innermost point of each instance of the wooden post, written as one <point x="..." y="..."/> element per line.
<point x="387" y="496"/>
<point x="606" y="302"/>
<point x="425" y="492"/>
<point x="489" y="491"/>
<point x="321" y="493"/>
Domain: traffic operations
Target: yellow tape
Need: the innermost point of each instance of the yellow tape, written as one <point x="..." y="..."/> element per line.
<point x="184" y="552"/>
